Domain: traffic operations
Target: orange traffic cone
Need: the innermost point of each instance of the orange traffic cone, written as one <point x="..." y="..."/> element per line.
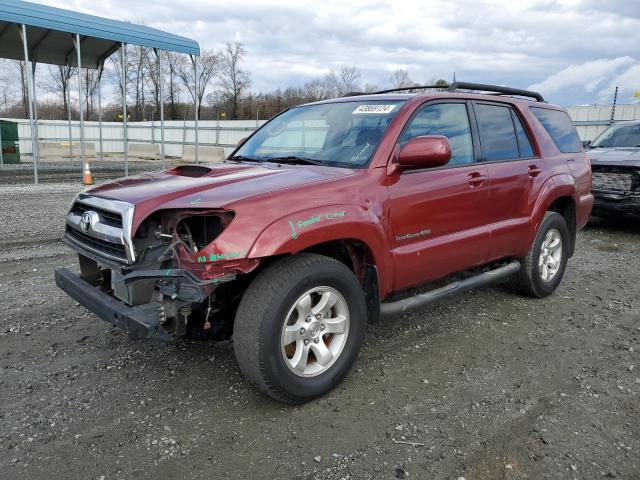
<point x="87" y="178"/>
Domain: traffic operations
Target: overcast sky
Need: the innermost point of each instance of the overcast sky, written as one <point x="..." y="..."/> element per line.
<point x="573" y="51"/>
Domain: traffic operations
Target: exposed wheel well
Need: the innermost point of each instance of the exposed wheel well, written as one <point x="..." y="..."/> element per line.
<point x="359" y="259"/>
<point x="566" y="207"/>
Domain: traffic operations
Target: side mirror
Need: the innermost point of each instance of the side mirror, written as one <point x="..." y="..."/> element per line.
<point x="429" y="151"/>
<point x="586" y="143"/>
<point x="241" y="141"/>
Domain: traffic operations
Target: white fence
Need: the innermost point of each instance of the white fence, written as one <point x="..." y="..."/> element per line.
<point x="225" y="133"/>
<point x="591" y="120"/>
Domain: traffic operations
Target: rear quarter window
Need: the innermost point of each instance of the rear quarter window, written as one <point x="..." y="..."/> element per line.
<point x="560" y="127"/>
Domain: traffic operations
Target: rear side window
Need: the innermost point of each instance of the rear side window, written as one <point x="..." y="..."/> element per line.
<point x="560" y="127"/>
<point x="497" y="135"/>
<point x="524" y="144"/>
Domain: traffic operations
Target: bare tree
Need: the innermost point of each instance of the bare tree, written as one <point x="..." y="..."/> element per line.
<point x="172" y="60"/>
<point x="208" y="67"/>
<point x="233" y="81"/>
<point x="58" y="83"/>
<point x="154" y="78"/>
<point x="90" y="87"/>
<point x="22" y="67"/>
<point x="10" y="84"/>
<point x="316" y="90"/>
<point x="346" y="80"/>
<point x="115" y="74"/>
<point x="400" y="79"/>
<point x="137" y="58"/>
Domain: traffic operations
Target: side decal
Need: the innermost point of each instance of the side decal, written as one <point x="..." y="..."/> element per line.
<point x="298" y="225"/>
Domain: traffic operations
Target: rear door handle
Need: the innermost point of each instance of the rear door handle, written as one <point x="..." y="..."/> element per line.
<point x="476" y="179"/>
<point x="534" y="170"/>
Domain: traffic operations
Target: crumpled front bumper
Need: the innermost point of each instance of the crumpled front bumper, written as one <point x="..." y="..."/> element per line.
<point x="141" y="322"/>
<point x="610" y="203"/>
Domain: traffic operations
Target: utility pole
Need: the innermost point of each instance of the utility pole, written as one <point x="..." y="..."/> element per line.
<point x="613" y="107"/>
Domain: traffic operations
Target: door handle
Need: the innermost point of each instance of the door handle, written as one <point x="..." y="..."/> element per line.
<point x="476" y="179"/>
<point x="534" y="171"/>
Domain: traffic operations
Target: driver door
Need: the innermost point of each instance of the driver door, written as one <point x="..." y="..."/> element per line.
<point x="439" y="216"/>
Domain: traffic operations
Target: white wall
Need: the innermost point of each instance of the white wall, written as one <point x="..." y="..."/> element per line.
<point x="176" y="134"/>
<point x="592" y="120"/>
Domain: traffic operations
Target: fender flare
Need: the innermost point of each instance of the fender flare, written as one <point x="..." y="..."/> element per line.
<point x="299" y="231"/>
<point x="561" y="185"/>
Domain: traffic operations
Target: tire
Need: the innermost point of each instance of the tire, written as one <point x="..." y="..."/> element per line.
<point x="530" y="279"/>
<point x="276" y="297"/>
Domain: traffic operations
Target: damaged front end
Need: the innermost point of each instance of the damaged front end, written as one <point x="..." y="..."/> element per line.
<point x="616" y="189"/>
<point x="162" y="281"/>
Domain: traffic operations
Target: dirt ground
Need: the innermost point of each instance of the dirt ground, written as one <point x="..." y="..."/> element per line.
<point x="484" y="385"/>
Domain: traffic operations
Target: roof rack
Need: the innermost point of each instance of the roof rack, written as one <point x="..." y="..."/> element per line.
<point x="401" y="89"/>
<point x="456" y="86"/>
<point x="480" y="87"/>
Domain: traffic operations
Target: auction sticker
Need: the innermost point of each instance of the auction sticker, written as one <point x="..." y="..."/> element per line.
<point x="374" y="109"/>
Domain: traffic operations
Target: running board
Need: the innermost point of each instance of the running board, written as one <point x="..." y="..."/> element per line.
<point x="423" y="299"/>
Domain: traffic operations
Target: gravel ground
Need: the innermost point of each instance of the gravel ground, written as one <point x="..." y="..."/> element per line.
<point x="58" y="170"/>
<point x="484" y="385"/>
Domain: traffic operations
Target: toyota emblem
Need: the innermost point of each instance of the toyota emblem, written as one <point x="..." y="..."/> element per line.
<point x="85" y="221"/>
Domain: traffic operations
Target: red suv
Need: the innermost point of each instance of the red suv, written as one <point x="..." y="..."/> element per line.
<point x="325" y="217"/>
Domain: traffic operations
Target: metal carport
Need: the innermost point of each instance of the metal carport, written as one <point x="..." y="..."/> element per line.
<point x="42" y="34"/>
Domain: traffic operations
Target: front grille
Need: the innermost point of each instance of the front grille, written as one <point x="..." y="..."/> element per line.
<point x="97" y="245"/>
<point x="612" y="181"/>
<point x="106" y="217"/>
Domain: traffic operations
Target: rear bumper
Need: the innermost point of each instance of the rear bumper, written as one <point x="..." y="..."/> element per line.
<point x="616" y="204"/>
<point x="140" y="322"/>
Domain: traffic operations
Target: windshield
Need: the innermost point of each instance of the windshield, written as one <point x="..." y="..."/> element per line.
<point x="342" y="134"/>
<point x="619" y="136"/>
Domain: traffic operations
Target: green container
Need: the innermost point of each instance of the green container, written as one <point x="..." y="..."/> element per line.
<point x="10" y="144"/>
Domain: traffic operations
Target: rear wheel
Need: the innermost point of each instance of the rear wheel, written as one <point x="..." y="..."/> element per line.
<point x="543" y="267"/>
<point x="299" y="327"/>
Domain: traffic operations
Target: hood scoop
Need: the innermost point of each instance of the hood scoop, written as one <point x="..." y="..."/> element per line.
<point x="193" y="171"/>
<point x="196" y="171"/>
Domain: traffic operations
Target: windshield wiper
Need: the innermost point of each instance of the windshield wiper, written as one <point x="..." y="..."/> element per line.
<point x="296" y="159"/>
<point x="246" y="159"/>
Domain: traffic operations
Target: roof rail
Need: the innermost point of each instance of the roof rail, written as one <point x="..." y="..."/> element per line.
<point x="404" y="89"/>
<point x="480" y="87"/>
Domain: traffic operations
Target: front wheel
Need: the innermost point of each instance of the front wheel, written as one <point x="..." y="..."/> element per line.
<point x="543" y="267"/>
<point x="299" y="327"/>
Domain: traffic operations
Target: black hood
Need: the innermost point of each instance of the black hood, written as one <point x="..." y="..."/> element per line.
<point x="615" y="156"/>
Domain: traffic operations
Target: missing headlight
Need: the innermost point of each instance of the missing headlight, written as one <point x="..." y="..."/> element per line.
<point x="198" y="231"/>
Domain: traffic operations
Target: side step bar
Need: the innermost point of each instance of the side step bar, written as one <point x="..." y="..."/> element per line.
<point x="423" y="299"/>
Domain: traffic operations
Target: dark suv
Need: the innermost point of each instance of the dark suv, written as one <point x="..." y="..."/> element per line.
<point x="615" y="159"/>
<point x="325" y="216"/>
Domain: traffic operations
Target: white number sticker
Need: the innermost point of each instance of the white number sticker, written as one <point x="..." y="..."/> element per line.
<point x="384" y="109"/>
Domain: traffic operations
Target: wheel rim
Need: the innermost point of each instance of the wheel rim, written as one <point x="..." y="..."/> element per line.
<point x="315" y="331"/>
<point x="550" y="255"/>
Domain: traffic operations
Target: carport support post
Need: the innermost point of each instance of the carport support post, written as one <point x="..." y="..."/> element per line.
<point x="161" y="95"/>
<point x="195" y="100"/>
<point x="98" y="87"/>
<point x="69" y="114"/>
<point x="125" y="140"/>
<point x="80" y="101"/>
<point x="1" y="153"/>
<point x="30" y="89"/>
<point x="35" y="100"/>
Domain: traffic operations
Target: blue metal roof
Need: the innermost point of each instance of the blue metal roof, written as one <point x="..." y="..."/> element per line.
<point x="49" y="32"/>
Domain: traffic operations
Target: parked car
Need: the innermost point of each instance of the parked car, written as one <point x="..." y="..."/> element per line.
<point x="321" y="220"/>
<point x="615" y="160"/>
